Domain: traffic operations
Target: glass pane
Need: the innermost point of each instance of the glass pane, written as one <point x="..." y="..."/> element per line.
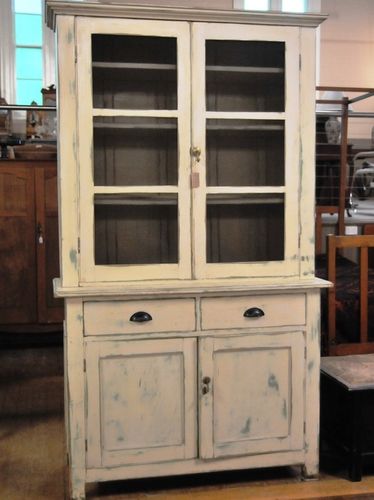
<point x="136" y="229"/>
<point x="294" y="5"/>
<point x="256" y="4"/>
<point x="245" y="228"/>
<point x="28" y="29"/>
<point x="29" y="63"/>
<point x="134" y="72"/>
<point x="245" y="153"/>
<point x="135" y="151"/>
<point x="28" y="6"/>
<point x="28" y="91"/>
<point x="244" y="76"/>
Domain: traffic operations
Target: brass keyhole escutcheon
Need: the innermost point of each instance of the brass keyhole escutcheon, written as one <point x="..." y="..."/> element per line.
<point x="196" y="153"/>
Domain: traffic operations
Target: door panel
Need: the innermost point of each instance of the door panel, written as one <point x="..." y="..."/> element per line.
<point x="253" y="401"/>
<point x="245" y="127"/>
<point x="141" y="401"/>
<point x="50" y="310"/>
<point x="134" y="82"/>
<point x="17" y="246"/>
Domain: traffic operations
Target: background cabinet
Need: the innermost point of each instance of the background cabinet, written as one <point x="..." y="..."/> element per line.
<point x="28" y="246"/>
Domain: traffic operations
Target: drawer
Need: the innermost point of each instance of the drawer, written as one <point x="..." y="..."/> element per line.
<point x="228" y="312"/>
<point x="169" y="315"/>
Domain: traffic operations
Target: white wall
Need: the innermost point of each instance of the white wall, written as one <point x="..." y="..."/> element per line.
<point x="347" y="54"/>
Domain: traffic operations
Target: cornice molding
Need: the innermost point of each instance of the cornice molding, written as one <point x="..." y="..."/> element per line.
<point x="113" y="9"/>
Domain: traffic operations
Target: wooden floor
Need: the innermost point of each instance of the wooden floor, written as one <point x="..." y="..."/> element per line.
<point x="32" y="450"/>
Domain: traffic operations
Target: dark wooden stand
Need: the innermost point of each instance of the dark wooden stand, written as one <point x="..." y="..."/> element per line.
<point x="347" y="408"/>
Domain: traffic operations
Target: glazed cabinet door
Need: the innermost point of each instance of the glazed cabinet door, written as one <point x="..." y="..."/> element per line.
<point x="134" y="150"/>
<point x="141" y="401"/>
<point x="251" y="394"/>
<point x="245" y="140"/>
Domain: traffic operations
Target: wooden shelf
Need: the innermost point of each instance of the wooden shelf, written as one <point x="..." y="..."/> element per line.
<point x="245" y="127"/>
<point x="130" y="65"/>
<point x="137" y="126"/>
<point x="244" y="69"/>
<point x="173" y="67"/>
<point x="157" y="126"/>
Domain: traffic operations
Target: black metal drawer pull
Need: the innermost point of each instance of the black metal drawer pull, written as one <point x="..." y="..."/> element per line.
<point x="140" y="317"/>
<point x="253" y="312"/>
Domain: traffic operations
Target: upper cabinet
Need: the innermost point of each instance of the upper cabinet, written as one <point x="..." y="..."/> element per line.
<point x="190" y="151"/>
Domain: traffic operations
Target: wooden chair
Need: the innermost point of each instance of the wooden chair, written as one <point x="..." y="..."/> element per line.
<point x="362" y="243"/>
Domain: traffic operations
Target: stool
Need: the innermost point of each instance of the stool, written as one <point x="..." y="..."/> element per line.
<point x="347" y="408"/>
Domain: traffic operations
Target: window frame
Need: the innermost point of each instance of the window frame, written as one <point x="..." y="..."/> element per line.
<point x="7" y="53"/>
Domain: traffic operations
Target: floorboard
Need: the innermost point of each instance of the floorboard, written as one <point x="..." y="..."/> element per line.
<point x="32" y="450"/>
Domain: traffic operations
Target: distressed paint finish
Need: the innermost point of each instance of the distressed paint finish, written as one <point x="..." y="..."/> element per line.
<point x="312" y="373"/>
<point x="257" y="386"/>
<point x="67" y="152"/>
<point x="228" y="312"/>
<point x="290" y="36"/>
<point x="142" y="397"/>
<point x="75" y="396"/>
<point x="104" y="318"/>
<point x="307" y="152"/>
<point x="181" y="31"/>
<point x="199" y="388"/>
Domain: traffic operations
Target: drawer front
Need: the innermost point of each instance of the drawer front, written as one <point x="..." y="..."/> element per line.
<point x="252" y="311"/>
<point x="108" y="317"/>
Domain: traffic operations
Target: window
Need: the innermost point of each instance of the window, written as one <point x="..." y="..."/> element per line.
<point x="294" y="5"/>
<point x="28" y="39"/>
<point x="283" y="5"/>
<point x="256" y="5"/>
<point x="26" y="51"/>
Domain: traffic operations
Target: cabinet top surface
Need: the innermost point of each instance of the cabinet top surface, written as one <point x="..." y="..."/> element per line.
<point x="120" y="9"/>
<point x="186" y="287"/>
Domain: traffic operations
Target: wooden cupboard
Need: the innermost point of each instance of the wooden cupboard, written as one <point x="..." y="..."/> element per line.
<point x="28" y="246"/>
<point x="186" y="176"/>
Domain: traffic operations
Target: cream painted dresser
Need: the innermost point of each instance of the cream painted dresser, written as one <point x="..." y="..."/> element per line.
<point x="186" y="181"/>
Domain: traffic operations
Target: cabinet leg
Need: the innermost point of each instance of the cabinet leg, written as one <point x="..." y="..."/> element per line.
<point x="310" y="472"/>
<point x="77" y="485"/>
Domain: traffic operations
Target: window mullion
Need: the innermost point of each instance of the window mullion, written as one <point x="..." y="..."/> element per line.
<point x="276" y="5"/>
<point x="7" y="52"/>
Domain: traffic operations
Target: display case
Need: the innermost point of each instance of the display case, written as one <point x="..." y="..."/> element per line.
<point x="187" y="253"/>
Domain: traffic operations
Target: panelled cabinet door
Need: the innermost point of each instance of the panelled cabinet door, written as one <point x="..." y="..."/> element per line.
<point x="17" y="245"/>
<point x="50" y="309"/>
<point x="141" y="402"/>
<point x="245" y="135"/>
<point x="251" y="393"/>
<point x="134" y="149"/>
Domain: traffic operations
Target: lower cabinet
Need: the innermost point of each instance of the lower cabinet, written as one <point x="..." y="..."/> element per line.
<point x="160" y="400"/>
<point x="161" y="385"/>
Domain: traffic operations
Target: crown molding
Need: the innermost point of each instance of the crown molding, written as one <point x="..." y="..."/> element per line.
<point x="115" y="9"/>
